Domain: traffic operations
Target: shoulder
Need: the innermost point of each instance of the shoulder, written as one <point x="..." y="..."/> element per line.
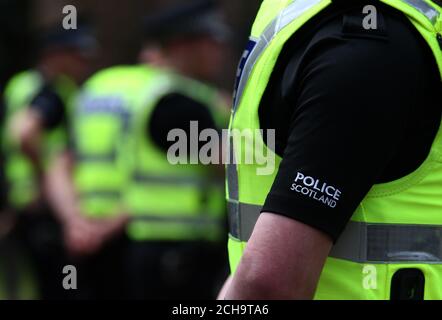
<point x="23" y="80"/>
<point x="344" y="55"/>
<point x="48" y="94"/>
<point x="21" y="89"/>
<point x="181" y="109"/>
<point x="24" y="76"/>
<point x="202" y="94"/>
<point x="394" y="39"/>
<point x="177" y="102"/>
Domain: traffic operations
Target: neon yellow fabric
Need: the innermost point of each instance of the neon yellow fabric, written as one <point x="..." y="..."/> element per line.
<point x="20" y="176"/>
<point x="103" y="115"/>
<point x="415" y="199"/>
<point x="175" y="202"/>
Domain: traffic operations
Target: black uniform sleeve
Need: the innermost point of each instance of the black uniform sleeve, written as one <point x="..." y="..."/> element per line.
<point x="352" y="98"/>
<point x="176" y="111"/>
<point x="50" y="107"/>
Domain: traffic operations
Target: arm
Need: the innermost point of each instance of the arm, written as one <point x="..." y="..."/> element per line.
<point x="287" y="276"/>
<point x="60" y="189"/>
<point x="177" y="111"/>
<point x="27" y="130"/>
<point x="223" y="292"/>
<point x="82" y="236"/>
<point x="46" y="112"/>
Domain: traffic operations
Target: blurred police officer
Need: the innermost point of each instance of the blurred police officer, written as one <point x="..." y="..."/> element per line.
<point x="37" y="107"/>
<point x="119" y="164"/>
<point x="177" y="220"/>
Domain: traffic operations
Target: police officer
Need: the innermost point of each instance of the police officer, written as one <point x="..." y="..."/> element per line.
<point x="37" y="103"/>
<point x="354" y="95"/>
<point x="177" y="217"/>
<point x="120" y="168"/>
<point x="87" y="181"/>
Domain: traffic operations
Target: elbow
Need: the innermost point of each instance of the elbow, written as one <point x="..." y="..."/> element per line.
<point x="256" y="280"/>
<point x="264" y="288"/>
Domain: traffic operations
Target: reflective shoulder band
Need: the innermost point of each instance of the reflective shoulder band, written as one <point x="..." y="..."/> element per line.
<point x="361" y="242"/>
<point x="293" y="11"/>
<point x="420" y="5"/>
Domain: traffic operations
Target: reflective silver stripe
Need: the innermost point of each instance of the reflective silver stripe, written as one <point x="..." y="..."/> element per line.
<point x="242" y="219"/>
<point x="100" y="194"/>
<point x="361" y="242"/>
<point x="232" y="178"/>
<point x="197" y="221"/>
<point x="232" y="174"/>
<point x="293" y="11"/>
<point x="234" y="220"/>
<point x="431" y="13"/>
<point x="98" y="158"/>
<point x="386" y="243"/>
<point x="175" y="180"/>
